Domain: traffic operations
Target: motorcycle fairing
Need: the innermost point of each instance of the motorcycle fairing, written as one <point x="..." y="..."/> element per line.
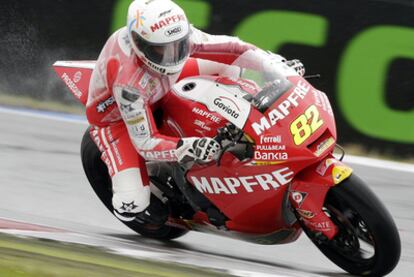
<point x="316" y="181"/>
<point x="225" y="100"/>
<point x="76" y="75"/>
<point x="249" y="192"/>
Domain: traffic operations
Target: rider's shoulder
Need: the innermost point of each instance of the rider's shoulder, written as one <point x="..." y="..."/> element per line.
<point x="119" y="45"/>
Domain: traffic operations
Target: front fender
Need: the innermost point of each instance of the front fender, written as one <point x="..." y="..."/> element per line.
<point x="308" y="191"/>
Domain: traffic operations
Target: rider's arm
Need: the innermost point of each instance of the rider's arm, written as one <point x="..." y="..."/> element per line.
<point x="138" y="118"/>
<point x="207" y="67"/>
<point x="220" y="48"/>
<point x="226" y="49"/>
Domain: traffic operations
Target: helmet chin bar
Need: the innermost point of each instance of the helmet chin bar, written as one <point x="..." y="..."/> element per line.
<point x="163" y="70"/>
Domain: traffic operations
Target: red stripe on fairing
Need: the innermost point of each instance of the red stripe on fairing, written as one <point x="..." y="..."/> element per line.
<point x="6" y="224"/>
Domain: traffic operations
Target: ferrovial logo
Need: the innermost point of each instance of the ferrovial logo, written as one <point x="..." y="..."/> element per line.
<point x="283" y="109"/>
<point x="249" y="184"/>
<point x="227" y="105"/>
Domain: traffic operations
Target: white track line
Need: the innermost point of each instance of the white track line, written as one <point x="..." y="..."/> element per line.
<point x="377" y="163"/>
<point x="45" y="115"/>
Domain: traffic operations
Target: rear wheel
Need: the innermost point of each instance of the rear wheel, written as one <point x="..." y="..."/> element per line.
<point x="368" y="242"/>
<point x="100" y="181"/>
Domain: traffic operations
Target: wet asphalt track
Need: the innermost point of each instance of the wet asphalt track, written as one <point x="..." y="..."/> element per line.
<point x="42" y="181"/>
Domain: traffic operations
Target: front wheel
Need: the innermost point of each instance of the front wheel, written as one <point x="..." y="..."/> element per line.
<point x="97" y="173"/>
<point x="368" y="242"/>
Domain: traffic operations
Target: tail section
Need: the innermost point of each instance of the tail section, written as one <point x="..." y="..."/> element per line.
<point x="76" y="75"/>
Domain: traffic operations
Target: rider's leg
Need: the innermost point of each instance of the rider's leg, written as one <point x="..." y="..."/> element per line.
<point x="130" y="182"/>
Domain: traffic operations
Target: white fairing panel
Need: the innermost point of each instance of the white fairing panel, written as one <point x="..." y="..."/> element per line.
<point x="216" y="97"/>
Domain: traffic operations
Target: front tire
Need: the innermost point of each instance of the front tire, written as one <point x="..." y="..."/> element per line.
<point x="100" y="181"/>
<point x="368" y="242"/>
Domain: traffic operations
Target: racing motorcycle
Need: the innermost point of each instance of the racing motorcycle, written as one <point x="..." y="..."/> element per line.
<point x="278" y="172"/>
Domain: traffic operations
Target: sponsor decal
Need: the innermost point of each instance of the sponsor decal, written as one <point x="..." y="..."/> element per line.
<point x="270" y="147"/>
<point x="117" y="154"/>
<point x="266" y="139"/>
<point x="140" y="131"/>
<point x="77" y="77"/>
<point x="128" y="207"/>
<point x="129" y="96"/>
<point x="126" y="108"/>
<point x="305" y="214"/>
<point x="207" y="115"/>
<point x="323" y="146"/>
<point x="173" y="31"/>
<point x="246" y="85"/>
<point x="152" y="84"/>
<point x="322" y="101"/>
<point x="135" y="120"/>
<point x="165" y="13"/>
<point x="270" y="156"/>
<point x="299" y="197"/>
<point x="323" y="167"/>
<point x="144" y="80"/>
<point x="155" y="155"/>
<point x="202" y="125"/>
<point x="235" y="185"/>
<point x="227" y="105"/>
<point x="139" y="19"/>
<point x="71" y="85"/>
<point x="101" y="107"/>
<point x="340" y="173"/>
<point x="324" y="226"/>
<point x="283" y="109"/>
<point x="167" y="21"/>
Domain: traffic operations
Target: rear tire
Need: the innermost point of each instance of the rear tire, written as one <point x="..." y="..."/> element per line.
<point x="364" y="226"/>
<point x="100" y="181"/>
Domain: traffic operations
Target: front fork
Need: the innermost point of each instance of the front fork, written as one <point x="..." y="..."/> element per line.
<point x="308" y="191"/>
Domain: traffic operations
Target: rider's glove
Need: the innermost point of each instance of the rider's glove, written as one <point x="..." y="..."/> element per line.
<point x="128" y="203"/>
<point x="297" y="65"/>
<point x="200" y="149"/>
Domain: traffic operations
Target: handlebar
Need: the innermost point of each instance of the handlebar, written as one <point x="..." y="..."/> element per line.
<point x="229" y="132"/>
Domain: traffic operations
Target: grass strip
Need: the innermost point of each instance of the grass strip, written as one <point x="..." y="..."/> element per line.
<point x="39" y="257"/>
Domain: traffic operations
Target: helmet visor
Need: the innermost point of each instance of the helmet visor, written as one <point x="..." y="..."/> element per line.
<point x="168" y="54"/>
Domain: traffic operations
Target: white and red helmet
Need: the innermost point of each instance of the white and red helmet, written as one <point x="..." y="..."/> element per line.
<point x="159" y="33"/>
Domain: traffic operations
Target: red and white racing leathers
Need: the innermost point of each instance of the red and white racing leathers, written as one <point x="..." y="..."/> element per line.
<point x="122" y="92"/>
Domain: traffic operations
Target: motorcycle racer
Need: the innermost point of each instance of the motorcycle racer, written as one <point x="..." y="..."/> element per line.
<point x="137" y="66"/>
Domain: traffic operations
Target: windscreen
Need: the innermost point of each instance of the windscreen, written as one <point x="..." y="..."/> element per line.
<point x="268" y="73"/>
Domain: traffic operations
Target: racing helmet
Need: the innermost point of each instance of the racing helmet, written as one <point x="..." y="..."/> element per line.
<point x="159" y="34"/>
